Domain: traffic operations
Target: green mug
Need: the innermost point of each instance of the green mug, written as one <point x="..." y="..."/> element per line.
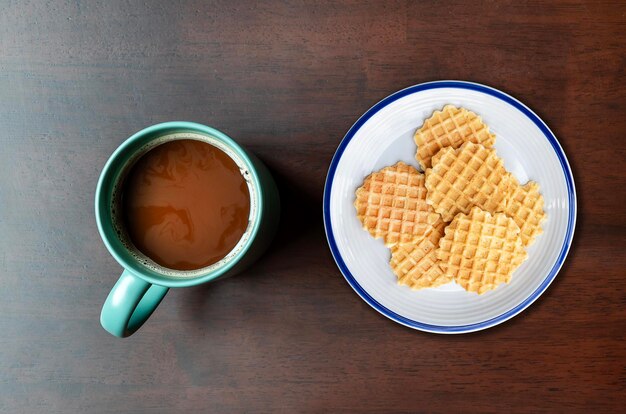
<point x="144" y="283"/>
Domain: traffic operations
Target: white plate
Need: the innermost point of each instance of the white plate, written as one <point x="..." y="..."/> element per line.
<point x="383" y="136"/>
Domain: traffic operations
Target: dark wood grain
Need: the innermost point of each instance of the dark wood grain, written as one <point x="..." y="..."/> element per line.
<point x="287" y="80"/>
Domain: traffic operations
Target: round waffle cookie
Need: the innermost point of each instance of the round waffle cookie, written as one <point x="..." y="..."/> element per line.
<point x="481" y="250"/>
<point x="471" y="175"/>
<point x="525" y="205"/>
<point x="416" y="265"/>
<point x="450" y="127"/>
<point x="391" y="204"/>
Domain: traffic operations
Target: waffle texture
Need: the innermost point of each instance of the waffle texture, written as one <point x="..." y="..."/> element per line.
<point x="416" y="265"/>
<point x="480" y="250"/>
<point x="391" y="204"/>
<point x="471" y="175"/>
<point x="525" y="206"/>
<point x="450" y="127"/>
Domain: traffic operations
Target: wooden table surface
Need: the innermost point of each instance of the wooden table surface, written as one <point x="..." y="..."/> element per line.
<point x="287" y="80"/>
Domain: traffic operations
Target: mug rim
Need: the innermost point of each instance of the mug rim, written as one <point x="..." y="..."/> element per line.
<point x="132" y="266"/>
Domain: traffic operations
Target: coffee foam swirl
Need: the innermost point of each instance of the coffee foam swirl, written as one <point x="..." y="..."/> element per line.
<point x="116" y="207"/>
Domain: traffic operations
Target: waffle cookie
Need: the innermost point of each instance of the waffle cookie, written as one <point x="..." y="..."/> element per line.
<point x="391" y="204"/>
<point x="416" y="265"/>
<point x="481" y="250"/>
<point x="525" y="205"/>
<point x="450" y="127"/>
<point x="471" y="175"/>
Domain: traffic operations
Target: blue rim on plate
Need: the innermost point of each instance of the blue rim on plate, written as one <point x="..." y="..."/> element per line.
<point x="571" y="222"/>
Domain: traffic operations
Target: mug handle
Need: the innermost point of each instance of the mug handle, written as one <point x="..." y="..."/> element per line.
<point x="129" y="304"/>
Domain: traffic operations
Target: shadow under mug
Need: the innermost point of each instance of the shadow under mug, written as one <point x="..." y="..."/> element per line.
<point x="144" y="283"/>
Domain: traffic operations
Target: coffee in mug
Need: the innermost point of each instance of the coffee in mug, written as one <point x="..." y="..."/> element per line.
<point x="185" y="204"/>
<point x="179" y="204"/>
